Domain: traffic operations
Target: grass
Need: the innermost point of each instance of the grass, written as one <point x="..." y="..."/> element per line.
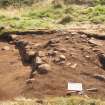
<point x="55" y="101"/>
<point x="49" y="16"/>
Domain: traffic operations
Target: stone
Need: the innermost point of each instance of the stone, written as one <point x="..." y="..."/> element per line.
<point x="38" y="61"/>
<point x="56" y="59"/>
<point x="95" y="42"/>
<point x="92" y="89"/>
<point x="62" y="57"/>
<point x="34" y="73"/>
<point x="68" y="64"/>
<point x="6" y="48"/>
<point x="14" y="37"/>
<point x="41" y="54"/>
<point x="25" y="42"/>
<point x="45" y="59"/>
<point x="27" y="47"/>
<point x="74" y="33"/>
<point x="53" y="41"/>
<point x="63" y="50"/>
<point x="31" y="53"/>
<point x="30" y="80"/>
<point x="45" y="67"/>
<point x="101" y="58"/>
<point x="52" y="52"/>
<point x="99" y="77"/>
<point x="74" y="66"/>
<point x="83" y="36"/>
<point x="87" y="56"/>
<point x="67" y="38"/>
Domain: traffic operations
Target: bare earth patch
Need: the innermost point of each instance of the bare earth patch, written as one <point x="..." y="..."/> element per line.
<point x="41" y="64"/>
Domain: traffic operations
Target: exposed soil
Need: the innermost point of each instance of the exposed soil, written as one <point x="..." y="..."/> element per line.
<point x="81" y="63"/>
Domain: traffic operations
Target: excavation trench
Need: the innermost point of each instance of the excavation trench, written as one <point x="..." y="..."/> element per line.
<point x="56" y="57"/>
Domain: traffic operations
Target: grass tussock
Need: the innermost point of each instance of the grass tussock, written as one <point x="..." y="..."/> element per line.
<point x="55" y="101"/>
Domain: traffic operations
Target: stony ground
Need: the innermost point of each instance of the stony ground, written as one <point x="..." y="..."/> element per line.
<point x="41" y="64"/>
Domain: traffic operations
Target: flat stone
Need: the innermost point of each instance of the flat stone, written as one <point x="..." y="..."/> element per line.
<point x="38" y="61"/>
<point x="14" y="36"/>
<point x="41" y="54"/>
<point x="68" y="64"/>
<point x="73" y="66"/>
<point x="95" y="42"/>
<point x="31" y="53"/>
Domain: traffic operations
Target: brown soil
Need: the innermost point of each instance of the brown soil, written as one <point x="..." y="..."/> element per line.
<point x="14" y="72"/>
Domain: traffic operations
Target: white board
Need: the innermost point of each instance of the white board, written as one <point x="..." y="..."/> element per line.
<point x="75" y="86"/>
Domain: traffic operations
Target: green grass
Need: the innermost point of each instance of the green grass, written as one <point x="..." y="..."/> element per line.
<point x="49" y="16"/>
<point x="55" y="101"/>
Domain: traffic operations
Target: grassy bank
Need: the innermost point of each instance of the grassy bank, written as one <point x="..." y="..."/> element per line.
<point x="55" y="101"/>
<point x="50" y="16"/>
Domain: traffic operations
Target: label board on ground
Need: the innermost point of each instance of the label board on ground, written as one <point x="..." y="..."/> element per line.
<point x="75" y="86"/>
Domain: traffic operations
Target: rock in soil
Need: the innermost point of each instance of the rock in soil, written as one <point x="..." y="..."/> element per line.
<point x="99" y="77"/>
<point x="6" y="48"/>
<point x="41" y="54"/>
<point x="74" y="66"/>
<point x="62" y="57"/>
<point x="95" y="42"/>
<point x="44" y="68"/>
<point x="38" y="61"/>
<point x="101" y="58"/>
<point x="31" y="53"/>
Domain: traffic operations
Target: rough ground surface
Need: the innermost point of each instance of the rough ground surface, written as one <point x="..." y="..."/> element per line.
<point x="69" y="56"/>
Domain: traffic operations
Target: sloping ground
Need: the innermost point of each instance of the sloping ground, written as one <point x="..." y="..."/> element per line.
<point x="43" y="62"/>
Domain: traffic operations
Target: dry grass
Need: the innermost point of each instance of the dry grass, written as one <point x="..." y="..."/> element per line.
<point x="55" y="101"/>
